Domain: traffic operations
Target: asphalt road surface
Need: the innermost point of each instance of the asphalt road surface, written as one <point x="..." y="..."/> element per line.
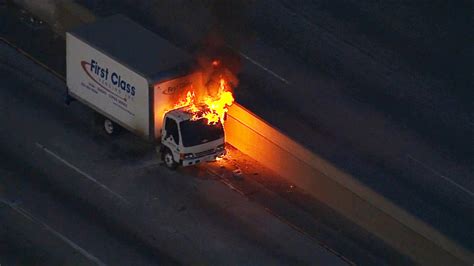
<point x="339" y="121"/>
<point x="74" y="195"/>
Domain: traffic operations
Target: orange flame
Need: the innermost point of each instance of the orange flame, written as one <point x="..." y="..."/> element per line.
<point x="211" y="108"/>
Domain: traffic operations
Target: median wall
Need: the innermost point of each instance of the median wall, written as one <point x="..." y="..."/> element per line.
<point x="412" y="237"/>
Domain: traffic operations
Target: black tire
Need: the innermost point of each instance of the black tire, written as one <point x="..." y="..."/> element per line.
<point x="110" y="128"/>
<point x="168" y="160"/>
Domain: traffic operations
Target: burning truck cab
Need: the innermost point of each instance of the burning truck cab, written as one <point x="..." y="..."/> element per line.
<point x="147" y="85"/>
<point x="187" y="141"/>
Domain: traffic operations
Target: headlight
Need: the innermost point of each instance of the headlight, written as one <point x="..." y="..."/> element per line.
<point x="188" y="156"/>
<point x="220" y="147"/>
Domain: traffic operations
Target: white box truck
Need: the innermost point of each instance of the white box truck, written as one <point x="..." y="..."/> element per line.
<point x="133" y="78"/>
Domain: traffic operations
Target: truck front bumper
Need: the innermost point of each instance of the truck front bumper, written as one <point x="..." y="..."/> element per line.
<point x="207" y="158"/>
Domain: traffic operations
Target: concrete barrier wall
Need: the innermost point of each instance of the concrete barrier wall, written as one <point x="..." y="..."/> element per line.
<point x="254" y="137"/>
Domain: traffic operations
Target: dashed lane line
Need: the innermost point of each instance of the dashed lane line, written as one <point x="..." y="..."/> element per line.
<point x="79" y="171"/>
<point x="264" y="68"/>
<point x="470" y="193"/>
<point x="66" y="240"/>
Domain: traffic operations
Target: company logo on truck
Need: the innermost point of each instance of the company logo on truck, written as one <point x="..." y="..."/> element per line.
<point x="172" y="89"/>
<point x="108" y="80"/>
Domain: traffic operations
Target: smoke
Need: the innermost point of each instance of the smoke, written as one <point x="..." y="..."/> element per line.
<point x="229" y="29"/>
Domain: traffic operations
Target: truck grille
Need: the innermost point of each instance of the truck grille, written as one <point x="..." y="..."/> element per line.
<point x="204" y="153"/>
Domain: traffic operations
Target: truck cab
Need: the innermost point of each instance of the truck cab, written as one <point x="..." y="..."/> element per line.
<point x="185" y="141"/>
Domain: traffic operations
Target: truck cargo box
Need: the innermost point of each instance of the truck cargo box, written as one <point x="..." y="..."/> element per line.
<point x="126" y="73"/>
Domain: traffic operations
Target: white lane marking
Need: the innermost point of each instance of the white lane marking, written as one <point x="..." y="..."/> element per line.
<point x="264" y="68"/>
<point x="442" y="176"/>
<point x="30" y="217"/>
<point x="82" y="173"/>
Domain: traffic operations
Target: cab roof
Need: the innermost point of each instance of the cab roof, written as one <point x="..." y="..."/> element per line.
<point x="139" y="49"/>
<point x="179" y="115"/>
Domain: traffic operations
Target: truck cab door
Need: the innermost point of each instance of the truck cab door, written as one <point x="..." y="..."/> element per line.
<point x="170" y="137"/>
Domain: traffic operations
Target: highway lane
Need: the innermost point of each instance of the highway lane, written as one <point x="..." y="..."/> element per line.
<point x="294" y="206"/>
<point x="408" y="37"/>
<point x="25" y="242"/>
<point x="381" y="71"/>
<point x="172" y="213"/>
<point x="46" y="224"/>
<point x="43" y="218"/>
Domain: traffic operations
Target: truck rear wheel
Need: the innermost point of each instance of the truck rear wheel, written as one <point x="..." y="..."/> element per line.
<point x="110" y="127"/>
<point x="168" y="159"/>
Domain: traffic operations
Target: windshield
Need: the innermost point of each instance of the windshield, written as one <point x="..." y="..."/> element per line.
<point x="199" y="132"/>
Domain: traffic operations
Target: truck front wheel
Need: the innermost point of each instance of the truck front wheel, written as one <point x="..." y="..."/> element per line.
<point x="168" y="159"/>
<point x="110" y="127"/>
